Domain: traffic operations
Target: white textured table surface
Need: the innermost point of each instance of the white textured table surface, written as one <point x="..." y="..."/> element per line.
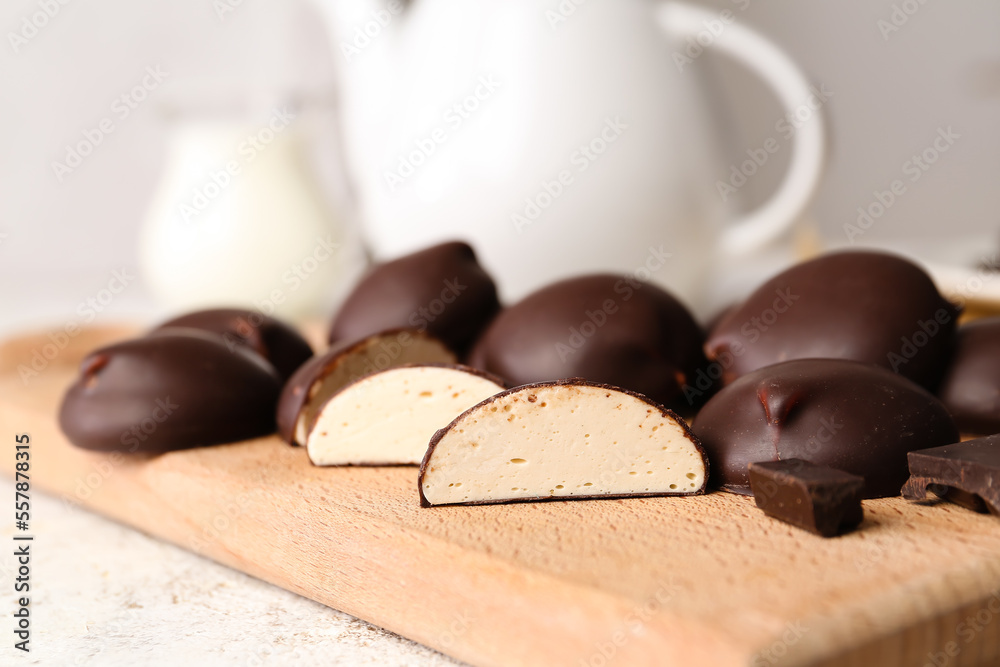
<point x="103" y="594"/>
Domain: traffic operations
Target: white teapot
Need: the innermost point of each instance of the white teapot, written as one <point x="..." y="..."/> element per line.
<point x="557" y="137"/>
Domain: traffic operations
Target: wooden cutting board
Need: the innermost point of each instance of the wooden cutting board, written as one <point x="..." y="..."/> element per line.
<point x="668" y="581"/>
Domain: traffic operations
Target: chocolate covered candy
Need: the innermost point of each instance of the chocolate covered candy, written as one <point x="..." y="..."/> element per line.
<point x="274" y="340"/>
<point x="864" y="306"/>
<point x="971" y="385"/>
<point x="441" y="290"/>
<point x="966" y="473"/>
<point x="171" y="390"/>
<point x="822" y="500"/>
<point x="560" y="441"/>
<point x="603" y="328"/>
<point x="324" y="375"/>
<point x="387" y="418"/>
<point x="855" y="417"/>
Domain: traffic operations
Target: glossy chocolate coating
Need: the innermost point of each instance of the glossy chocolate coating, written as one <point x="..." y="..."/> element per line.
<point x="441" y="290"/>
<point x="855" y="417"/>
<point x="602" y="328"/>
<point x="866" y="306"/>
<point x="174" y="389"/>
<point x="971" y="385"/>
<point x="966" y="473"/>
<point x="274" y="340"/>
<point x="822" y="500"/>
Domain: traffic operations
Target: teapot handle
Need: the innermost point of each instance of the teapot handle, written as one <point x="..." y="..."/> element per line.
<point x="759" y="227"/>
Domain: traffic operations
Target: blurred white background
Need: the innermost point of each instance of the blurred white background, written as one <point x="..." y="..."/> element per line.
<point x="891" y="92"/>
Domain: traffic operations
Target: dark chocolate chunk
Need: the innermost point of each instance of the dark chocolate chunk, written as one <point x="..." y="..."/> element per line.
<point x="175" y="389"/>
<point x="602" y="328"/>
<point x="441" y="290"/>
<point x="821" y="500"/>
<point x="325" y="374"/>
<point x="966" y="473"/>
<point x="865" y="306"/>
<point x="971" y="385"/>
<point x="274" y="340"/>
<point x="854" y="417"/>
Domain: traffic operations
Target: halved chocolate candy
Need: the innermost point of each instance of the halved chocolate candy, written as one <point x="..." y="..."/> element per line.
<point x="561" y="441"/>
<point x="322" y="376"/>
<point x="966" y="473"/>
<point x="387" y="418"/>
<point x="822" y="500"/>
<point x="272" y="339"/>
<point x="172" y="390"/>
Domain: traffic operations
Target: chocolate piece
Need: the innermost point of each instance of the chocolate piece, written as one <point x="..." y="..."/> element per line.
<point x="175" y="389"/>
<point x="322" y="376"/>
<point x="441" y="290"/>
<point x="971" y="385"/>
<point x="272" y="339"/>
<point x="854" y="417"/>
<point x="865" y="306"/>
<point x="966" y="473"/>
<point x="387" y="418"/>
<point x="561" y="441"/>
<point x="822" y="500"/>
<point x="602" y="328"/>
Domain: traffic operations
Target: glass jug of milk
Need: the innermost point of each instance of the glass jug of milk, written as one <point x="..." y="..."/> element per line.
<point x="238" y="219"/>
